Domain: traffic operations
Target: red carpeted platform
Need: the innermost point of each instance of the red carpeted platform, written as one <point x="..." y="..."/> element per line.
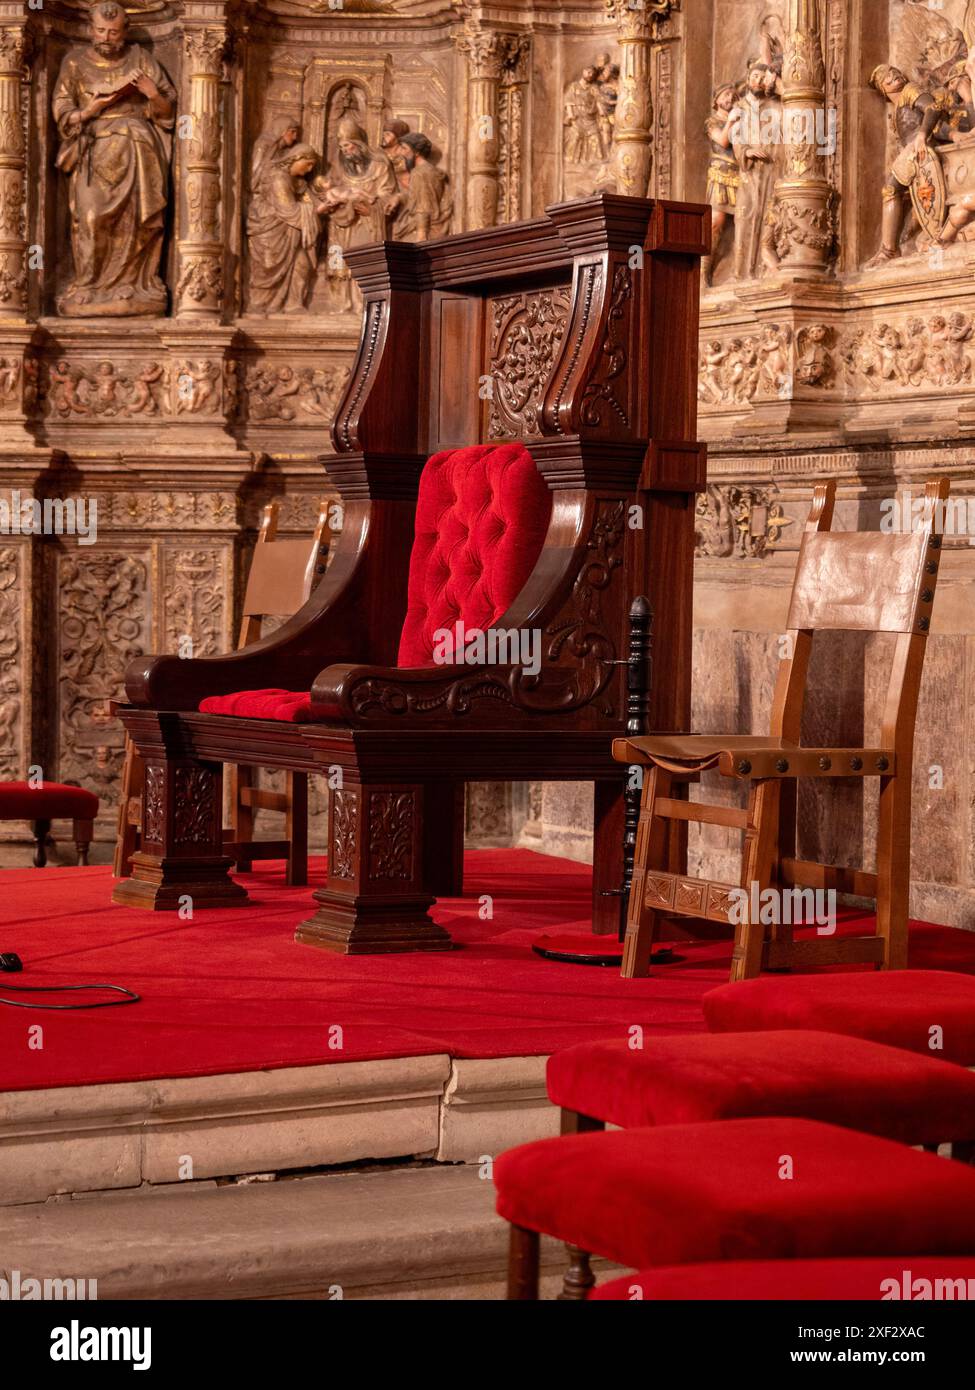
<point x="230" y="991"/>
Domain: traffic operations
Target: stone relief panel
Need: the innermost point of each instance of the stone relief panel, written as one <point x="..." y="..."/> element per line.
<point x="12" y="658"/>
<point x="103" y="623"/>
<point x="743" y="522"/>
<point x="196" y="590"/>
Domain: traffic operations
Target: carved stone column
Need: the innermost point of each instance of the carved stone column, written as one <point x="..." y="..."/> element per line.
<point x="801" y="232"/>
<point x="495" y="60"/>
<point x="632" y="143"/>
<point x="14" y="48"/>
<point x="199" y="286"/>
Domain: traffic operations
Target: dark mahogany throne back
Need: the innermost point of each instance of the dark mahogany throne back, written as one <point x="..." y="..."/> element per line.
<point x="574" y="334"/>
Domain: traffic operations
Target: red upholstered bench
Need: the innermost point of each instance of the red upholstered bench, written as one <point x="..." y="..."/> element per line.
<point x="730" y="1190"/>
<point x="50" y="801"/>
<point x="731" y="1076"/>
<point x="887" y="1277"/>
<point x="929" y="1011"/>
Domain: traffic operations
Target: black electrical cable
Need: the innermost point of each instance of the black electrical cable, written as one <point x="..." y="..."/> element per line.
<point x="133" y="998"/>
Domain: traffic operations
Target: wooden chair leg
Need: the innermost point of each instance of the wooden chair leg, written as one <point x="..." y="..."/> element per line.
<point x="894" y="868"/>
<point x="578" y="1278"/>
<point x="41" y="829"/>
<point x="296" y="828"/>
<point x="120" y="857"/>
<point x="651" y="849"/>
<point x="241" y="816"/>
<point x="758" y="859"/>
<point x="523" y="1265"/>
<point x="84" y="833"/>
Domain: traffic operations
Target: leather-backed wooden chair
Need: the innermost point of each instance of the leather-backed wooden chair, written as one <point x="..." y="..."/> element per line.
<point x="575" y="333"/>
<point x="845" y="581"/>
<point x="280" y="580"/>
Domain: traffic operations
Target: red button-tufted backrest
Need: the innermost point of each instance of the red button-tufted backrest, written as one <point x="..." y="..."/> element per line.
<point x="481" y="517"/>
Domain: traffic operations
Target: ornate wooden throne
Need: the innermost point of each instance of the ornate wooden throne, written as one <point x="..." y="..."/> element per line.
<point x="576" y="333"/>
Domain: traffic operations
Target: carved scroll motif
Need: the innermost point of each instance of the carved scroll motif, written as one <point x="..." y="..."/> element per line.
<point x="392" y="817"/>
<point x="154" y="804"/>
<point x="345" y="824"/>
<point x="600" y="390"/>
<point x="375" y="317"/>
<point x="526" y="335"/>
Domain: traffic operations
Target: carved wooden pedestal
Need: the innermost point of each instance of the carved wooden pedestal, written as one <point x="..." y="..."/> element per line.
<point x="375" y="900"/>
<point x="181" y="863"/>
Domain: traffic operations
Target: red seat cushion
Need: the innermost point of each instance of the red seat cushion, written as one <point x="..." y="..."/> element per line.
<point x="481" y="518"/>
<point x="291" y="705"/>
<point x="684" y="1194"/>
<point x="51" y="801"/>
<point x="899" y="1007"/>
<point x="813" y="1076"/>
<point x="886" y="1278"/>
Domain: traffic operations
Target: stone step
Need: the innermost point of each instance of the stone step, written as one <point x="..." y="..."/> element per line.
<point x="122" y="1135"/>
<point x="422" y="1231"/>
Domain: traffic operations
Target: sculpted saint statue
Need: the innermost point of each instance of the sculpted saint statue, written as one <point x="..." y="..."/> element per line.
<point x="280" y="135"/>
<point x="584" y="119"/>
<point x="757" y="147"/>
<point x="363" y="192"/>
<point x="114" y="108"/>
<point x="723" y="178"/>
<point x="283" y="225"/>
<point x="427" y="203"/>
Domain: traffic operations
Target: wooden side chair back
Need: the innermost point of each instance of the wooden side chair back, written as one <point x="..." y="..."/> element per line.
<point x="867" y="582"/>
<point x="280" y="580"/>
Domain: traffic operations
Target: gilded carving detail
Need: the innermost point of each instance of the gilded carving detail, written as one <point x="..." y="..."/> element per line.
<point x="11" y="651"/>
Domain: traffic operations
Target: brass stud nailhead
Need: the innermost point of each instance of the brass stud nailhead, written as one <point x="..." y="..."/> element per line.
<point x="782" y="765"/>
<point x="744" y="766"/>
<point x="931" y="567"/>
<point x="826" y="764"/>
<point x="924" y="624"/>
<point x="935" y="542"/>
<point x="927" y="596"/>
<point x="883" y="764"/>
<point x="856" y="764"/>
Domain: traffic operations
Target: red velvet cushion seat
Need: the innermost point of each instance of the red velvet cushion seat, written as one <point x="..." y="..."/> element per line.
<point x="899" y="1007"/>
<point x="481" y="518"/>
<point x="261" y="704"/>
<point x="814" y="1076"/>
<point x="684" y="1194"/>
<point x="51" y="801"/>
<point x="888" y="1277"/>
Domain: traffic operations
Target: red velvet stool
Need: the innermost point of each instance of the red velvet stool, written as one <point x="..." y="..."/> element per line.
<point x="889" y="1277"/>
<point x="730" y="1190"/>
<point x="929" y="1011"/>
<point x="51" y="801"/>
<point x="813" y="1076"/>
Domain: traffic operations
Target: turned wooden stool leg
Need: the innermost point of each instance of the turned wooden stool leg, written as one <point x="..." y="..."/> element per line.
<point x="578" y="1278"/>
<point x="41" y="830"/>
<point x="650" y="854"/>
<point x="523" y="1265"/>
<point x="84" y="832"/>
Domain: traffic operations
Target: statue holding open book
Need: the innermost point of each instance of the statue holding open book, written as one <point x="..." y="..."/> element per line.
<point x="114" y="106"/>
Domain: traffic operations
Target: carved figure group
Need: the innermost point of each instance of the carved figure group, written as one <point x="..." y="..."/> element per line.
<point x="736" y="371"/>
<point x="936" y="353"/>
<point x="284" y="393"/>
<point x="588" y="122"/>
<point x="75" y="390"/>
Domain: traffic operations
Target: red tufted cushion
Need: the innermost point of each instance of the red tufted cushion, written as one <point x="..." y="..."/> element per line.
<point x="899" y="1007"/>
<point x="885" y="1277"/>
<point x="292" y="705"/>
<point x="481" y="518"/>
<point x="52" y="801"/>
<point x="813" y="1076"/>
<point x="684" y="1194"/>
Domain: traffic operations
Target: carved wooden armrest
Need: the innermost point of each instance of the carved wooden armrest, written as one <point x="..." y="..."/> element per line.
<point x="289" y="658"/>
<point x="425" y="695"/>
